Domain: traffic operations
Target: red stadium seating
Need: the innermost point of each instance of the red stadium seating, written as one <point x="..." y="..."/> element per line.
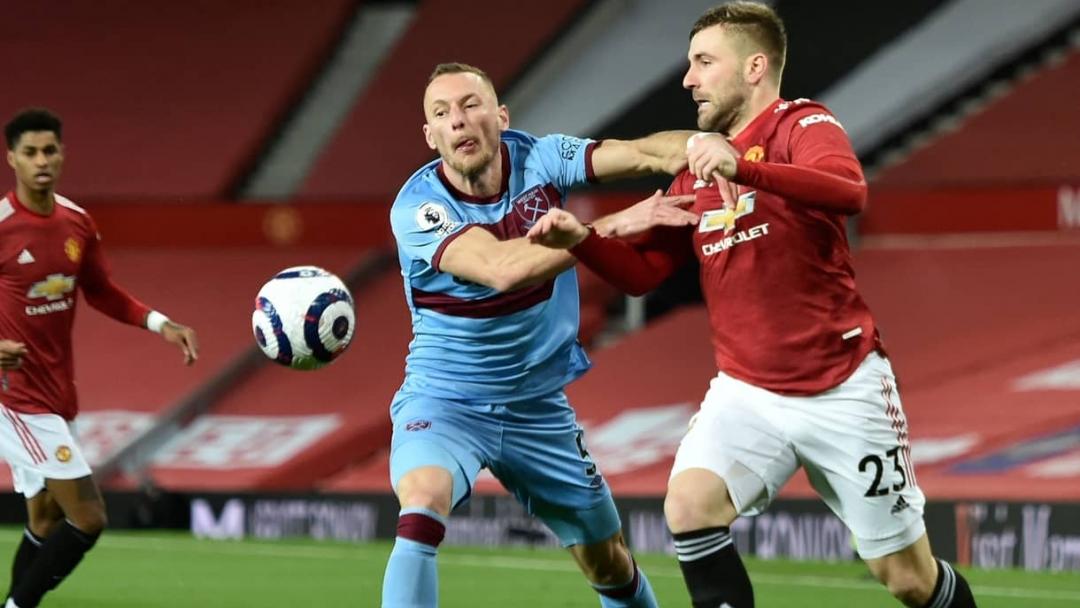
<point x="164" y="100"/>
<point x="380" y="144"/>
<point x="1025" y="137"/>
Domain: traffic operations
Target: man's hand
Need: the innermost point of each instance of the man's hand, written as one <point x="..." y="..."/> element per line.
<point x="558" y="229"/>
<point x="11" y="354"/>
<point x="711" y="153"/>
<point x="184" y="338"/>
<point x="657" y="210"/>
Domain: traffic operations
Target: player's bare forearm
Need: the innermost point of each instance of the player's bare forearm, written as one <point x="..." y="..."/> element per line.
<point x="477" y="256"/>
<point x="663" y="152"/>
<point x="524" y="264"/>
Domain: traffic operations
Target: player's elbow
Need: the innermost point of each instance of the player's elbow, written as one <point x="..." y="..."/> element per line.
<point x="856" y="200"/>
<point x="638" y="287"/>
<point x="506" y="279"/>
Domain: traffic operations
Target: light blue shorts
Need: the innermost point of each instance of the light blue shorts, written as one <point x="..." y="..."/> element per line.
<point x="534" y="447"/>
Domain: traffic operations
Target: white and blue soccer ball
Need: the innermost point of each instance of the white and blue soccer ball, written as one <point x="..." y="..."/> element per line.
<point x="303" y="317"/>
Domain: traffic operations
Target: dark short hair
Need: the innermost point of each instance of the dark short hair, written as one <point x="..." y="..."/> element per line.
<point x="757" y="22"/>
<point x="31" y="119"/>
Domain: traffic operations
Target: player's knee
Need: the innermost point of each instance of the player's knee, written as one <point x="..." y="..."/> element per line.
<point x="426" y="488"/>
<point x="686" y="509"/>
<point x="906" y="585"/>
<point x="43" y="522"/>
<point x="696" y="499"/>
<point x="43" y="527"/>
<point x="90" y="519"/>
<point x="606" y="563"/>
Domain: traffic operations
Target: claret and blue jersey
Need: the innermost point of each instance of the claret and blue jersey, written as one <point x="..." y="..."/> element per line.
<point x="486" y="369"/>
<point x="470" y="341"/>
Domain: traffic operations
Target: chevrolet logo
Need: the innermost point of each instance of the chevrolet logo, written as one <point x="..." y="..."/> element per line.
<point x="724" y="219"/>
<point x="54" y="287"/>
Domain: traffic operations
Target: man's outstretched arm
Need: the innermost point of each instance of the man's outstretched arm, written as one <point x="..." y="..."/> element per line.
<point x="663" y="152"/>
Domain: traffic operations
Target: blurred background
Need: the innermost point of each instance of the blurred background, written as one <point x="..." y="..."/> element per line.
<point x="218" y="142"/>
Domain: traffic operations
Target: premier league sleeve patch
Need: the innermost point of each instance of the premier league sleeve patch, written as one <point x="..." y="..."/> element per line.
<point x="433" y="216"/>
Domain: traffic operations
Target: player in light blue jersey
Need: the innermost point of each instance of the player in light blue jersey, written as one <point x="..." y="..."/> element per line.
<point x="495" y="322"/>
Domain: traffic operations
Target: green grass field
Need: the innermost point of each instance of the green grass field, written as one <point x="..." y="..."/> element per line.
<point x="155" y="569"/>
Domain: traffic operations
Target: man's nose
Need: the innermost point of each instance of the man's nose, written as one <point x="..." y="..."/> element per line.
<point x="457" y="118"/>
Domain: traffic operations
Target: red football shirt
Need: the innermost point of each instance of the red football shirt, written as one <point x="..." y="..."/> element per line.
<point x="43" y="260"/>
<point x="776" y="270"/>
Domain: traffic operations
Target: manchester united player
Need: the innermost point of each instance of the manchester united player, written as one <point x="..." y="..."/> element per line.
<point x="49" y="247"/>
<point x="803" y="379"/>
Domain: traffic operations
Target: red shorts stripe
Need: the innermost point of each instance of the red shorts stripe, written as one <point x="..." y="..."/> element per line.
<point x="28" y="441"/>
<point x="30" y="435"/>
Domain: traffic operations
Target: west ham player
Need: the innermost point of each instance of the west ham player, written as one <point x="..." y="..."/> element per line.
<point x="803" y="379"/>
<point x="49" y="247"/>
<point x="495" y="321"/>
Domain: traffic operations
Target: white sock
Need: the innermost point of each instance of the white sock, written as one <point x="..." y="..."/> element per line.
<point x="10" y="604"/>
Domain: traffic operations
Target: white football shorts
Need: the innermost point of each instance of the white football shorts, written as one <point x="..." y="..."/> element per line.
<point x="39" y="447"/>
<point x="852" y="441"/>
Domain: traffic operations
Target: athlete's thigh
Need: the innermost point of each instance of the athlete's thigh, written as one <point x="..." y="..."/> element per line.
<point x="853" y="443"/>
<point x="430" y="431"/>
<point x="39" y="447"/>
<point x="738" y="436"/>
<point x="545" y="463"/>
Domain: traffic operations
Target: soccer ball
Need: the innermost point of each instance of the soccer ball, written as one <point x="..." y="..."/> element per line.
<point x="303" y="317"/>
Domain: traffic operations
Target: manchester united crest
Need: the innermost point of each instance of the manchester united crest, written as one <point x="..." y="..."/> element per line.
<point x="63" y="453"/>
<point x="73" y="249"/>
<point x="755" y="154"/>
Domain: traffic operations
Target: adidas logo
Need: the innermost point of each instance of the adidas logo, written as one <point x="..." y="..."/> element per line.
<point x="25" y="257"/>
<point x="900" y="505"/>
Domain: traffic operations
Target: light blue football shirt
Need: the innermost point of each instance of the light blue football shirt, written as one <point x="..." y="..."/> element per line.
<point x="470" y="341"/>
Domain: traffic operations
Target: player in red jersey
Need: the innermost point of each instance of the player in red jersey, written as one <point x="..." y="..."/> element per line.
<point x="49" y="247"/>
<point x="803" y="379"/>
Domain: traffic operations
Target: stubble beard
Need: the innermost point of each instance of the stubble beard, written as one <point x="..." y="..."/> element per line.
<point x="473" y="166"/>
<point x="725" y="114"/>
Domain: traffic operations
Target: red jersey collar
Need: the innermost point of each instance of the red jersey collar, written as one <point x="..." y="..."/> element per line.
<point x="758" y="121"/>
<point x="21" y="205"/>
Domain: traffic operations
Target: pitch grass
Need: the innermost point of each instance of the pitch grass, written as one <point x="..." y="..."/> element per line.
<point x="159" y="569"/>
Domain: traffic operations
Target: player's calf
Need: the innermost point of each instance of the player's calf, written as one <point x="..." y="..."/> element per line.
<point x="919" y="580"/>
<point x="61" y="552"/>
<point x="947" y="589"/>
<point x="699" y="512"/>
<point x="411" y="578"/>
<point x="614" y="574"/>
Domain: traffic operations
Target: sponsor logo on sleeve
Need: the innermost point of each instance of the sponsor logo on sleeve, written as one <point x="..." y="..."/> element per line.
<point x="814" y="119"/>
<point x="568" y="147"/>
